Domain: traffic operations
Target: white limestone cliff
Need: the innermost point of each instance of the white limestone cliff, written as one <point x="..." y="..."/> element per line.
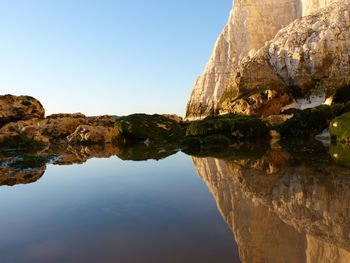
<point x="250" y="25"/>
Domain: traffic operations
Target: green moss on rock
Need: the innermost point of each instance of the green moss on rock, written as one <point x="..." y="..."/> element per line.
<point x="19" y="141"/>
<point x="156" y="128"/>
<point x="340" y="154"/>
<point x="340" y="128"/>
<point x="309" y="122"/>
<point x="342" y="95"/>
<point x="231" y="126"/>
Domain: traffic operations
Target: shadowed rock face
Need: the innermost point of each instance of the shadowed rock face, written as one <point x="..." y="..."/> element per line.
<point x="281" y="209"/>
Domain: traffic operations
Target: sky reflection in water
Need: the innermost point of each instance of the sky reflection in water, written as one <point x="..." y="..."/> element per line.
<point x="109" y="210"/>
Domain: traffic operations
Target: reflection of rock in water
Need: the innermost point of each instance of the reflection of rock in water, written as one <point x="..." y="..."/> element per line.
<point x="11" y="176"/>
<point x="27" y="167"/>
<point x="282" y="213"/>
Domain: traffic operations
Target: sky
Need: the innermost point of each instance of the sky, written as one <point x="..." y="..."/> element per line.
<point x="113" y="57"/>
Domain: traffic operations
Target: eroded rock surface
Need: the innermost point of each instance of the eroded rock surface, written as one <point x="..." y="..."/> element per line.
<point x="93" y="134"/>
<point x="308" y="51"/>
<point x="311" y="53"/>
<point x="16" y="108"/>
<point x="251" y="24"/>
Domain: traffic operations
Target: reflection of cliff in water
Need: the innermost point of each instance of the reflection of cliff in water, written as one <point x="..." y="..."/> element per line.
<point x="283" y="207"/>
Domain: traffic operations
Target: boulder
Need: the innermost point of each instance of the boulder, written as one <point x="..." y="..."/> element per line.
<point x="231" y="126"/>
<point x="340" y="128"/>
<point x="17" y="108"/>
<point x="59" y="126"/>
<point x="263" y="103"/>
<point x="155" y="128"/>
<point x="340" y="154"/>
<point x="87" y="134"/>
<point x="53" y="127"/>
<point x="104" y="120"/>
<point x="309" y="122"/>
<point x="174" y="117"/>
<point x="274" y="120"/>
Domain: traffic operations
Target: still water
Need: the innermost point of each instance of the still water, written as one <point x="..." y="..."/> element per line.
<point x="109" y="210"/>
<point x="288" y="203"/>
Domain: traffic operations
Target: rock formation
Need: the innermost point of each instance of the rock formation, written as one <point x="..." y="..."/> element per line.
<point x="93" y="134"/>
<point x="53" y="127"/>
<point x="311" y="54"/>
<point x="250" y="25"/>
<point x="17" y="108"/>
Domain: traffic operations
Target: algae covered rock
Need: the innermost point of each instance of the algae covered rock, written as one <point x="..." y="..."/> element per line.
<point x="342" y="95"/>
<point x="309" y="122"/>
<point x="16" y="108"/>
<point x="340" y="128"/>
<point x="17" y="140"/>
<point x="155" y="128"/>
<point x="340" y="154"/>
<point x="232" y="126"/>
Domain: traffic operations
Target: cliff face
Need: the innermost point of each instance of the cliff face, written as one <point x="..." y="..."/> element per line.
<point x="310" y="6"/>
<point x="251" y="24"/>
<point x="280" y="212"/>
<point x="311" y="54"/>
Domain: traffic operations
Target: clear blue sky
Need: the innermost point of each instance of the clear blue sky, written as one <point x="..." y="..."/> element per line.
<point x="107" y="56"/>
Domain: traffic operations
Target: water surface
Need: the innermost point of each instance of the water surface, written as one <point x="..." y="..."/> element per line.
<point x="109" y="210"/>
<point x="251" y="203"/>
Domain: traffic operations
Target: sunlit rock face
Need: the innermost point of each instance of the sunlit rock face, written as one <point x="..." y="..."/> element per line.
<point x="281" y="209"/>
<point x="312" y="52"/>
<point x="16" y="108"/>
<point x="250" y="25"/>
<point x="310" y="6"/>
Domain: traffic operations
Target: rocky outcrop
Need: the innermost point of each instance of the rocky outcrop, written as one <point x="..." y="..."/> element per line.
<point x="340" y="128"/>
<point x="104" y="120"/>
<point x="17" y="108"/>
<point x="264" y="103"/>
<point x="300" y="51"/>
<point x="153" y="129"/>
<point x="310" y="55"/>
<point x="53" y="127"/>
<point x="251" y="24"/>
<point x="87" y="134"/>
